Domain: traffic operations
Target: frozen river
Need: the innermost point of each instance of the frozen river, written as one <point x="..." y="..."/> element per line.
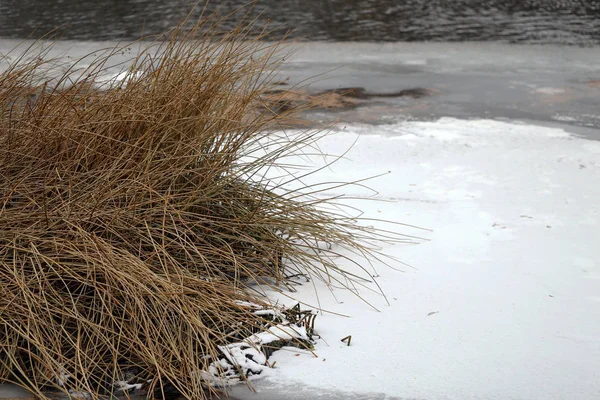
<point x="547" y="84"/>
<point x="497" y="160"/>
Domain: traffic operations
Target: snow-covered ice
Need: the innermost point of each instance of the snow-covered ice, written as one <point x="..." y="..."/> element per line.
<point x="503" y="299"/>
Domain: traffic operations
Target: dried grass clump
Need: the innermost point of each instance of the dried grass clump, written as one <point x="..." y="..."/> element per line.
<point x="135" y="219"/>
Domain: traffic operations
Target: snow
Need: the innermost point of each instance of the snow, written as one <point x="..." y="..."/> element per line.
<point x="247" y="356"/>
<point x="117" y="79"/>
<point x="502" y="301"/>
<point x="62" y="377"/>
<point x="124" y="386"/>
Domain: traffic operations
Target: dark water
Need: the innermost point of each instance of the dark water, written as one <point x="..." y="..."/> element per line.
<point x="575" y="22"/>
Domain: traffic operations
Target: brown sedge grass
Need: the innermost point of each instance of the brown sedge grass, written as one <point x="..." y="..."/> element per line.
<point x="135" y="215"/>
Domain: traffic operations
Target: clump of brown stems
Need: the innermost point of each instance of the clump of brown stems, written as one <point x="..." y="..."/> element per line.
<point x="135" y="217"/>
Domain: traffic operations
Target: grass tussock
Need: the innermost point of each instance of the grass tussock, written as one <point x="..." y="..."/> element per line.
<point x="136" y="220"/>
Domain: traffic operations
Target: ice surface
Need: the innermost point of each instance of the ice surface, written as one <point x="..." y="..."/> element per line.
<point x="501" y="303"/>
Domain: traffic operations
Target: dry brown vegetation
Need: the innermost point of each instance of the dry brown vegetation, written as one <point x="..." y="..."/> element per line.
<point x="135" y="221"/>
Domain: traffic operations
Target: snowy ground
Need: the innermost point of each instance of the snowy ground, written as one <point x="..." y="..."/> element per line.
<point x="503" y="301"/>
